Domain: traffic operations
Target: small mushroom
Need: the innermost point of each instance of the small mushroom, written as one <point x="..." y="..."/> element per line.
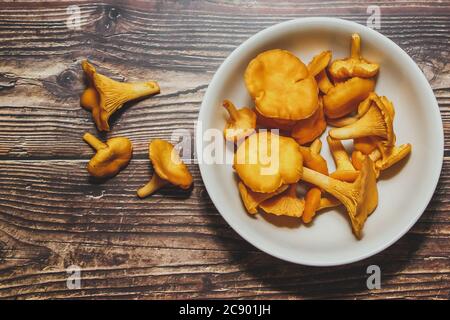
<point x="319" y="63"/>
<point x="344" y="97"/>
<point x="344" y="167"/>
<point x="285" y="204"/>
<point x="266" y="161"/>
<point x="385" y="157"/>
<point x="111" y="157"/>
<point x="104" y="95"/>
<point x="307" y="130"/>
<point x="241" y="123"/>
<point x="313" y="160"/>
<point x="252" y="199"/>
<point x="360" y="197"/>
<point x="168" y="167"/>
<point x="376" y="121"/>
<point x="281" y="85"/>
<point x="355" y="65"/>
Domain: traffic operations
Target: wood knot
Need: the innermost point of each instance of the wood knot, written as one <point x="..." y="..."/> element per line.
<point x="107" y="24"/>
<point x="67" y="79"/>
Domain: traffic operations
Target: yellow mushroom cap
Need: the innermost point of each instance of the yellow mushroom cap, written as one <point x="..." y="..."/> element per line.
<point x="168" y="165"/>
<point x="252" y="199"/>
<point x="285" y="204"/>
<point x="111" y="156"/>
<point x="266" y="161"/>
<point x="319" y="63"/>
<point x="281" y="85"/>
<point x="307" y="130"/>
<point x="344" y="98"/>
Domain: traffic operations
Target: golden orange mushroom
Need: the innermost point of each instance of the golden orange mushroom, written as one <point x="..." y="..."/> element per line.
<point x="360" y="197"/>
<point x="285" y="204"/>
<point x="111" y="157"/>
<point x="242" y="122"/>
<point x="376" y="121"/>
<point x="252" y="199"/>
<point x="313" y="160"/>
<point x="306" y="130"/>
<point x="344" y="167"/>
<point x="355" y="65"/>
<point x="266" y="161"/>
<point x="168" y="167"/>
<point x="281" y="85"/>
<point x="104" y="95"/>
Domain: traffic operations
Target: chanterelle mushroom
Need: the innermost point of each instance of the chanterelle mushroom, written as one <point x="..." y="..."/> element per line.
<point x="111" y="157"/>
<point x="285" y="204"/>
<point x="281" y="85"/>
<point x="360" y="197"/>
<point x="306" y="130"/>
<point x="241" y="123"/>
<point x="252" y="199"/>
<point x="319" y="63"/>
<point x="344" y="97"/>
<point x="104" y="95"/>
<point x="266" y="161"/>
<point x="168" y="166"/>
<point x="385" y="157"/>
<point x="344" y="167"/>
<point x="376" y="121"/>
<point x="313" y="160"/>
<point x="355" y="66"/>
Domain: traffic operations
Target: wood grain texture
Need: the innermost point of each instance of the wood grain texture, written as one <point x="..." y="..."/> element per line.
<point x="175" y="244"/>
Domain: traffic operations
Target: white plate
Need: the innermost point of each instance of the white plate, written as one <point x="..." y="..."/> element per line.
<point x="404" y="191"/>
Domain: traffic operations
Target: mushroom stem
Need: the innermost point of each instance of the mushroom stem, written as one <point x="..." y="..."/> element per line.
<point x="355" y="46"/>
<point x="154" y="184"/>
<point x="345" y="170"/>
<point x="360" y="197"/>
<point x="227" y="104"/>
<point x="93" y="141"/>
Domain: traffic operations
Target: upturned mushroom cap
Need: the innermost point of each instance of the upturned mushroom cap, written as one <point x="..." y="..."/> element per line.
<point x="241" y="123"/>
<point x="168" y="166"/>
<point x="376" y="121"/>
<point x="345" y="96"/>
<point x="285" y="204"/>
<point x="104" y="95"/>
<point x="355" y="65"/>
<point x="307" y="130"/>
<point x="281" y="85"/>
<point x="387" y="157"/>
<point x="319" y="63"/>
<point x="266" y="161"/>
<point x="111" y="157"/>
<point x="252" y="199"/>
<point x="360" y="197"/>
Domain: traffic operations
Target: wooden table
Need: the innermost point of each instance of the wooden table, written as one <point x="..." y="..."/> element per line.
<point x="171" y="245"/>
